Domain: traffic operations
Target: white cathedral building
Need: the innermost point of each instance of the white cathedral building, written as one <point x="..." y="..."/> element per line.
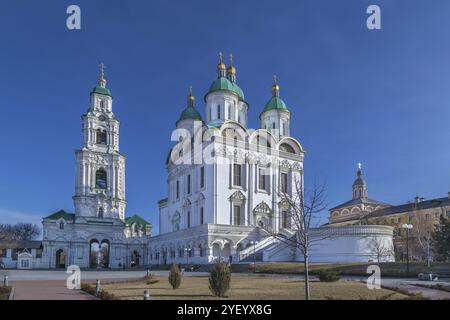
<point x="225" y="185"/>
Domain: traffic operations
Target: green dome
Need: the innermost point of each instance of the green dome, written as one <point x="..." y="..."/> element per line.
<point x="101" y="90"/>
<point x="275" y="103"/>
<point x="223" y="83"/>
<point x="190" y="113"/>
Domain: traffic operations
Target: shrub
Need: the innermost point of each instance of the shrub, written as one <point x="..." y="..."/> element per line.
<point x="328" y="275"/>
<point x="175" y="276"/>
<point x="219" y="279"/>
<point x="150" y="279"/>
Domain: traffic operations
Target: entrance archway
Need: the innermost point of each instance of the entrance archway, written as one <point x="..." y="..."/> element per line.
<point x="94" y="250"/>
<point x="135" y="257"/>
<point x="104" y="252"/>
<point x="60" y="259"/>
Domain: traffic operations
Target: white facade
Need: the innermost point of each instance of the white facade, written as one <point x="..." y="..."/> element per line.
<point x="98" y="234"/>
<point x="225" y="183"/>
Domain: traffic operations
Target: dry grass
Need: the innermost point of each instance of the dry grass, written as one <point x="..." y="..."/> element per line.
<point x="394" y="269"/>
<point x="250" y="287"/>
<point x="4" y="293"/>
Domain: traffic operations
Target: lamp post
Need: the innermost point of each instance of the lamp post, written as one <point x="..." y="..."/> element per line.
<point x="408" y="227"/>
<point x="254" y="243"/>
<point x="188" y="251"/>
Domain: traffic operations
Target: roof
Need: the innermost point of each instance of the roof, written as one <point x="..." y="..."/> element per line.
<point x="275" y="103"/>
<point x="136" y="219"/>
<point x="20" y="244"/>
<point x="427" y="204"/>
<point x="101" y="90"/>
<point x="61" y="214"/>
<point x="223" y="83"/>
<point x="359" y="201"/>
<point x="190" y="113"/>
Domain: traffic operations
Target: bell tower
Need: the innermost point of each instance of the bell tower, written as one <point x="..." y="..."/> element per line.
<point x="100" y="178"/>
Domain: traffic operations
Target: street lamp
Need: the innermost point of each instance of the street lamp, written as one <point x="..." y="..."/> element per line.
<point x="254" y="243"/>
<point x="408" y="227"/>
<point x="188" y="251"/>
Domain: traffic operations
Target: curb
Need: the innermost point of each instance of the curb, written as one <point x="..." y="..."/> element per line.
<point x="11" y="294"/>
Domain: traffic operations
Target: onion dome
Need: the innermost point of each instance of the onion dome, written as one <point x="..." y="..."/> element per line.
<point x="275" y="103"/>
<point x="226" y="80"/>
<point x="101" y="86"/>
<point x="190" y="113"/>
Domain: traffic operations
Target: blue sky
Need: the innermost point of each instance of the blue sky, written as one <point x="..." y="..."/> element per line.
<point x="379" y="97"/>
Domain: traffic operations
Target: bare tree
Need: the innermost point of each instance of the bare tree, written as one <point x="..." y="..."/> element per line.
<point x="380" y="249"/>
<point x="422" y="236"/>
<point x="302" y="213"/>
<point x="26" y="231"/>
<point x="6" y="233"/>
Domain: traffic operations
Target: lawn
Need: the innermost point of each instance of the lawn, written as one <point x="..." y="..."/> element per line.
<point x="394" y="269"/>
<point x="4" y="293"/>
<point x="250" y="287"/>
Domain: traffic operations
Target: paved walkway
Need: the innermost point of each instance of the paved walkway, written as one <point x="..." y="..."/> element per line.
<point x="47" y="290"/>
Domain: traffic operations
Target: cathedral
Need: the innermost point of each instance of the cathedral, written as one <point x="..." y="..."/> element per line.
<point x="225" y="183"/>
<point x="97" y="235"/>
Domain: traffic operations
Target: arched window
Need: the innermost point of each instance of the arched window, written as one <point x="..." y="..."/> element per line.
<point x="61" y="225"/>
<point x="273" y="125"/>
<point x="202" y="215"/>
<point x="100" y="212"/>
<point x="218" y="112"/>
<point x="101" y="179"/>
<point x="188" y="219"/>
<point x="101" y="136"/>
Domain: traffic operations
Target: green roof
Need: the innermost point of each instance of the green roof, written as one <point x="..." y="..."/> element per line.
<point x="136" y="219"/>
<point x="223" y="83"/>
<point x="101" y="90"/>
<point x="275" y="103"/>
<point x="61" y="214"/>
<point x="190" y="113"/>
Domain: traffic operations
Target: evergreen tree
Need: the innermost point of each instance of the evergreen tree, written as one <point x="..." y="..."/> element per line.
<point x="219" y="279"/>
<point x="441" y="240"/>
<point x="175" y="276"/>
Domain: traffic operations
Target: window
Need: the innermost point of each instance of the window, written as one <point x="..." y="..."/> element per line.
<point x="100" y="179"/>
<point x="188" y="219"/>
<point x="427" y="217"/>
<point x="202" y="218"/>
<point x="25" y="263"/>
<point x="3" y="253"/>
<point x="61" y="225"/>
<point x="229" y="111"/>
<point x="189" y="184"/>
<point x="101" y="136"/>
<point x="284" y="219"/>
<point x="14" y="254"/>
<point x="39" y="253"/>
<point x="237" y="175"/>
<point x="178" y="189"/>
<point x="261" y="179"/>
<point x="237" y="215"/>
<point x="100" y="212"/>
<point x="218" y="112"/>
<point x="284" y="182"/>
<point x="200" y="250"/>
<point x="273" y="125"/>
<point x="202" y="177"/>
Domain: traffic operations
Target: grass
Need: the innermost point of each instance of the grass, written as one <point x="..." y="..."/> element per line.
<point x="391" y="269"/>
<point x="251" y="288"/>
<point x="4" y="293"/>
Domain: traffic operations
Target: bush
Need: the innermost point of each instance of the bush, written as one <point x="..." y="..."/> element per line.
<point x="150" y="279"/>
<point x="219" y="279"/>
<point x="328" y="275"/>
<point x="175" y="276"/>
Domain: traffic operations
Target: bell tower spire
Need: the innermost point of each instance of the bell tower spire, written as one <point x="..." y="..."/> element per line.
<point x="360" y="189"/>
